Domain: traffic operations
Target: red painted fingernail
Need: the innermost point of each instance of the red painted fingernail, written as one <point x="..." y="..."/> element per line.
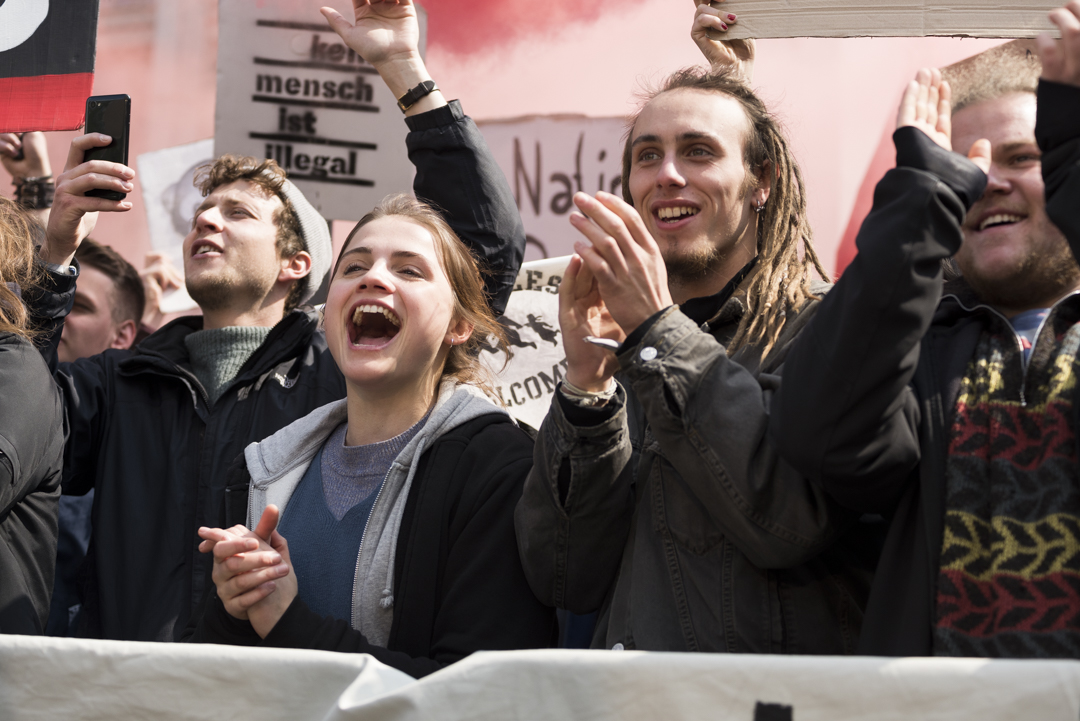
<point x="731" y="18"/>
<point x="723" y="26"/>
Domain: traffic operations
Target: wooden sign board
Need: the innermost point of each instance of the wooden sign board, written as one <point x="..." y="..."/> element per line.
<point x="896" y="18"/>
<point x="289" y="89"/>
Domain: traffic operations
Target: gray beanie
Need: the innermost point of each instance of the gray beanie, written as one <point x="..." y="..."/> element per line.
<point x="315" y="233"/>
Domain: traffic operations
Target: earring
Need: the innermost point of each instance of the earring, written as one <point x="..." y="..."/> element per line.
<point x="760" y="206"/>
<point x="452" y="341"/>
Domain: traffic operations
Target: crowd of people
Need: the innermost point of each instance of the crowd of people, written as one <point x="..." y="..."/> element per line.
<point x="741" y="457"/>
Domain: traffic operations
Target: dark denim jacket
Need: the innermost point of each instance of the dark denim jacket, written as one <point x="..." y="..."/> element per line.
<point x="678" y="520"/>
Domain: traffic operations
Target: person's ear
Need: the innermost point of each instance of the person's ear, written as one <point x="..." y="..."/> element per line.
<point x="124" y="335"/>
<point x="295" y="268"/>
<point x="460" y="331"/>
<point x="765" y="177"/>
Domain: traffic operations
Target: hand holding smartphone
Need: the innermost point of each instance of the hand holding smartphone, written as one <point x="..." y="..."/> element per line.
<point x="111" y="115"/>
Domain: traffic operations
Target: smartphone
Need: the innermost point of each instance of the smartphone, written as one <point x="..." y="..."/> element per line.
<point x="111" y="115"/>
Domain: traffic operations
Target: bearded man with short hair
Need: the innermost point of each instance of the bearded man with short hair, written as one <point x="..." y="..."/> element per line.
<point x="950" y="405"/>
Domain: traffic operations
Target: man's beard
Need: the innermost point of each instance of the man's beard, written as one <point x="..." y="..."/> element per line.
<point x="689" y="265"/>
<point x="1039" y="279"/>
<point x="223" y="291"/>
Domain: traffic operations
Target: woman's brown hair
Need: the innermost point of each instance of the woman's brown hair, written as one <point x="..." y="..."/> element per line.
<point x="19" y="270"/>
<point x="466" y="283"/>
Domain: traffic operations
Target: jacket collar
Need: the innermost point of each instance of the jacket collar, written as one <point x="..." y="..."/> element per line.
<point x="709" y="308"/>
<point x="165" y="350"/>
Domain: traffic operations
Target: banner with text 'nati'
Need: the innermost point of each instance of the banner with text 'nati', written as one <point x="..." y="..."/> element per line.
<point x="548" y="158"/>
<point x="897" y="18"/>
<point x="289" y="89"/>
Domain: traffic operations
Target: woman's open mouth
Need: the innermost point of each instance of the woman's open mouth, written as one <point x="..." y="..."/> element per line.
<point x="373" y="325"/>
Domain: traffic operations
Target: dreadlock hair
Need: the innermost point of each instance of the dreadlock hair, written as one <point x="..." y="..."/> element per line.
<point x="781" y="282"/>
<point x="19" y="273"/>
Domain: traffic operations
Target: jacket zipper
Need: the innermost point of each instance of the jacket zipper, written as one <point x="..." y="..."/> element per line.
<point x="1016" y="336"/>
<point x="360" y="550"/>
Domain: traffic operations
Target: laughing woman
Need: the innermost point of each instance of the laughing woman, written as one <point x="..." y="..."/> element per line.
<point x="397" y="501"/>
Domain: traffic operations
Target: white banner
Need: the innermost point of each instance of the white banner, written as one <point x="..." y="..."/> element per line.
<point x="898" y="18"/>
<point x="289" y="89"/>
<point x="547" y="159"/>
<point x="43" y="679"/>
<point x="531" y="322"/>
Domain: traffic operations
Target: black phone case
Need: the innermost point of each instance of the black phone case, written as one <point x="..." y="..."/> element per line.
<point x="109" y="114"/>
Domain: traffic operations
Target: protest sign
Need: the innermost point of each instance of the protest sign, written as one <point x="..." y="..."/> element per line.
<point x="46" y="63"/>
<point x="903" y="18"/>
<point x="289" y="89"/>
<point x="531" y="322"/>
<point x="169" y="193"/>
<point x="547" y="159"/>
<point x="171" y="198"/>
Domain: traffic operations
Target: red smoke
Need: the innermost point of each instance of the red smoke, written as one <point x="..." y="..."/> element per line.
<point x="469" y="26"/>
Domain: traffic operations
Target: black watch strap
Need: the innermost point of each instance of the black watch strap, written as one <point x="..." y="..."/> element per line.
<point x="412" y="97"/>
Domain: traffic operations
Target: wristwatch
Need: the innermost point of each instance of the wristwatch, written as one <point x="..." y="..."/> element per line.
<point x="412" y="97"/>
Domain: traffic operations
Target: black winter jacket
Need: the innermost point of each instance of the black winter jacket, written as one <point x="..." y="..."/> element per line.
<point x="459" y="585"/>
<point x="871" y="385"/>
<point x="672" y="512"/>
<point x="144" y="436"/>
<point x="31" y="455"/>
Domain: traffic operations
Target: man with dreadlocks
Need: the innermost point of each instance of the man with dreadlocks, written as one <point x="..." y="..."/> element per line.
<point x="658" y="500"/>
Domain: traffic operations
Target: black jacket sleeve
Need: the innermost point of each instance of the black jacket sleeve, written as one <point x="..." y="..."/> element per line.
<point x="300" y="627"/>
<point x="1057" y="130"/>
<point x="48" y="306"/>
<point x="845" y="415"/>
<point x="456" y="172"/>
<point x="31" y="447"/>
<point x="84" y="385"/>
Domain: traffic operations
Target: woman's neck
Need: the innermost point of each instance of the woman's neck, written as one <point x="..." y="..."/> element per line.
<point x="375" y="417"/>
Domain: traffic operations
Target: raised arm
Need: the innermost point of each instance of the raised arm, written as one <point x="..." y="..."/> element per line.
<point x="455" y="171"/>
<point x="711" y="21"/>
<point x="26" y="158"/>
<point x="1057" y="127"/>
<point x="845" y="415"/>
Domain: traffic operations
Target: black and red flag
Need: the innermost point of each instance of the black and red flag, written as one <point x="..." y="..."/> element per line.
<point x="46" y="63"/>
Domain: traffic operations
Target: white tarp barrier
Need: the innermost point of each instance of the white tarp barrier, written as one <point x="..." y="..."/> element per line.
<point x="531" y="322"/>
<point x="897" y="18"/>
<point x="45" y="678"/>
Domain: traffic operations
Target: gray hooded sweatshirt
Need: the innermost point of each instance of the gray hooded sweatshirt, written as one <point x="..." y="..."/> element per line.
<point x="278" y="463"/>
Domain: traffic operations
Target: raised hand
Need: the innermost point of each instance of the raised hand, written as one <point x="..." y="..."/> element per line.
<point x="73" y="214"/>
<point x="710" y="24"/>
<point x="926" y="105"/>
<point x="386" y="34"/>
<point x="384" y="30"/>
<point x="583" y="313"/>
<point x="622" y="256"/>
<point x="35" y="161"/>
<point x="159" y="276"/>
<point x="1061" y="58"/>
